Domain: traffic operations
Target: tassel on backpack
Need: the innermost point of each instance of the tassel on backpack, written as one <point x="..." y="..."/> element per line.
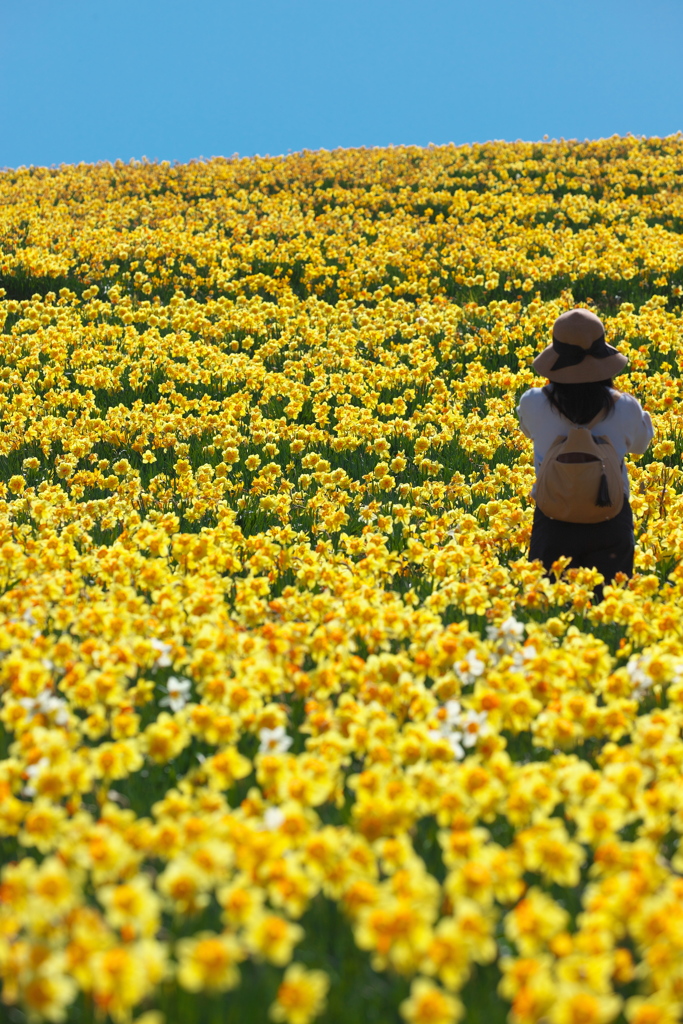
<point x="603" y="498"/>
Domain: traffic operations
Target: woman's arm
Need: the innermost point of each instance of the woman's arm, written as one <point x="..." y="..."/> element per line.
<point x="641" y="430"/>
<point x="521" y="409"/>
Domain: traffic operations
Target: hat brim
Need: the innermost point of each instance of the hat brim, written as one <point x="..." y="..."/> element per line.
<point x="588" y="370"/>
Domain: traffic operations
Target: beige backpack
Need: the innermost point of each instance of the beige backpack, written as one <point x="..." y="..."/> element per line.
<point x="580" y="477"/>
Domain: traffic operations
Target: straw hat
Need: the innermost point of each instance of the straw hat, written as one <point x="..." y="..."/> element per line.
<point x="579" y="353"/>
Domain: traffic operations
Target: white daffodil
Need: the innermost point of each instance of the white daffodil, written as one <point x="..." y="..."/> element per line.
<point x="470" y="668"/>
<point x="455" y="740"/>
<point x="31" y="773"/>
<point x="508" y="634"/>
<point x="453" y="711"/>
<point x="450" y="718"/>
<point x="46" y="703"/>
<point x="163" y="660"/>
<point x="523" y="656"/>
<point x="177" y="690"/>
<point x="639" y="678"/>
<point x="512" y="628"/>
<point x="460" y="728"/>
<point x="472" y="723"/>
<point x="274" y="741"/>
<point x="272" y="819"/>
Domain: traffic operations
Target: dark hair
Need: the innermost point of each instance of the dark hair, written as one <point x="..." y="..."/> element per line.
<point x="580" y="403"/>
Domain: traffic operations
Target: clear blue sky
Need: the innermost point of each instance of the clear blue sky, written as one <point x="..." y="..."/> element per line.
<point x="180" y="79"/>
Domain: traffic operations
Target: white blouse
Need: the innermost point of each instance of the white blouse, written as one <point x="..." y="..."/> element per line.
<point x="628" y="426"/>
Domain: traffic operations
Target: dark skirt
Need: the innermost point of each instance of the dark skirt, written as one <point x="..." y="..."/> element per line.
<point x="607" y="546"/>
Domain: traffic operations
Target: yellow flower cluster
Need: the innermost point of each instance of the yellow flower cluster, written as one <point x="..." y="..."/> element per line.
<point x="290" y="727"/>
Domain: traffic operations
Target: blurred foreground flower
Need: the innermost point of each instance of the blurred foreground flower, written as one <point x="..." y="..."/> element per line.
<point x="300" y="997"/>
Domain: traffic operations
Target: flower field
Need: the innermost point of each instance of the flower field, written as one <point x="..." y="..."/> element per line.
<point x="290" y="727"/>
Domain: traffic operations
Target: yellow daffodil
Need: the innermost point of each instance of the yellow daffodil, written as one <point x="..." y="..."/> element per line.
<point x="300" y="997"/>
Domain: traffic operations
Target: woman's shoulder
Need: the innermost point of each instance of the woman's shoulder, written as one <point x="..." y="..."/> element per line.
<point x="533" y="398"/>
<point x="625" y="404"/>
<point x="536" y="408"/>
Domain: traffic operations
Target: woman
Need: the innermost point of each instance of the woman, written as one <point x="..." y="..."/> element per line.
<point x="580" y="366"/>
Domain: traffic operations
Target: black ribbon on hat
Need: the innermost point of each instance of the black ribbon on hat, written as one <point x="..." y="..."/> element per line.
<point x="572" y="355"/>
